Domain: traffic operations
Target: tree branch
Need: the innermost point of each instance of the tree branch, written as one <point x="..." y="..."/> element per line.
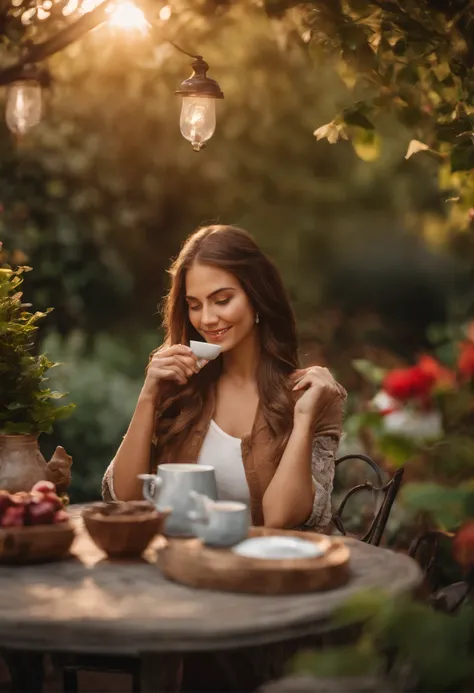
<point x="38" y="52"/>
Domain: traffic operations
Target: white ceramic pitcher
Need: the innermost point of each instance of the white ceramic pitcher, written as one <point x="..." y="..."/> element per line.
<point x="170" y="487"/>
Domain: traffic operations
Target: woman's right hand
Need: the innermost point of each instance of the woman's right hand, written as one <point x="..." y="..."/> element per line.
<point x="173" y="364"/>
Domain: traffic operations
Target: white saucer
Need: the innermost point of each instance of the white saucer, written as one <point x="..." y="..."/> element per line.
<point x="277" y="548"/>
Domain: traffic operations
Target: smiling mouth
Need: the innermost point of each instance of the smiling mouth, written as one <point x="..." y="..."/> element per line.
<point x="218" y="333"/>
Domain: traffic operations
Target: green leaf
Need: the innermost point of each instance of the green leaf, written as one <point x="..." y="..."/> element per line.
<point x="373" y="374"/>
<point x="359" y="5"/>
<point x="56" y="395"/>
<point x="356" y="422"/>
<point x="367" y="145"/>
<point x="360" y="607"/>
<point x="400" y="47"/>
<point x="355" y="116"/>
<point x="12" y="428"/>
<point x="443" y="504"/>
<point x="469" y="505"/>
<point x="13" y="406"/>
<point x="337" y="662"/>
<point x="407" y="75"/>
<point x="462" y="157"/>
<point x="64" y="412"/>
<point x="398" y="449"/>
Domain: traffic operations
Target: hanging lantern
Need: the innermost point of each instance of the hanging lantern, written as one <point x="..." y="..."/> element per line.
<point x="25" y="100"/>
<point x="198" y="111"/>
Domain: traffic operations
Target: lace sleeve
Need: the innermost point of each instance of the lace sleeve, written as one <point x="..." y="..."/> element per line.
<point x="322" y="467"/>
<point x="108" y="493"/>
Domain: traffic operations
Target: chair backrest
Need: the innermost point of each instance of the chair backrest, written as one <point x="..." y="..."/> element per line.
<point x="387" y="492"/>
<point x="425" y="550"/>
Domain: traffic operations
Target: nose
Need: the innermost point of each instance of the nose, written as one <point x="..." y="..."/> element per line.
<point x="208" y="317"/>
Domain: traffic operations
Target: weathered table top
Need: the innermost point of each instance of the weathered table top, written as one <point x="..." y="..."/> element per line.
<point x="90" y="604"/>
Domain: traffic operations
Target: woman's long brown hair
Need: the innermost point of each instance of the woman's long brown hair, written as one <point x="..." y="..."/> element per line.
<point x="231" y="249"/>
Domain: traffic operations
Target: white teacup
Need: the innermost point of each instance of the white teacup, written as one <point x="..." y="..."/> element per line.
<point x="204" y="351"/>
<point x="219" y="523"/>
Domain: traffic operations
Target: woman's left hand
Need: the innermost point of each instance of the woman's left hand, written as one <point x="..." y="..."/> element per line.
<point x="318" y="383"/>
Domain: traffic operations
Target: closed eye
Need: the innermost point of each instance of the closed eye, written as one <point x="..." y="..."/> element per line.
<point x="223" y="302"/>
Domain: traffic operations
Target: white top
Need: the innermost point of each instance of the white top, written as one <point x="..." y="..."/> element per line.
<point x="223" y="452"/>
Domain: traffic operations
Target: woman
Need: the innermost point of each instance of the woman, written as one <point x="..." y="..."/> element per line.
<point x="269" y="429"/>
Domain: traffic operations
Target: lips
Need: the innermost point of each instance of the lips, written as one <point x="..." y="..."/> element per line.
<point x="217" y="334"/>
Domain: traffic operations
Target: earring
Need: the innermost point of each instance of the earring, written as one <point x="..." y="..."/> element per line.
<point x="257" y="319"/>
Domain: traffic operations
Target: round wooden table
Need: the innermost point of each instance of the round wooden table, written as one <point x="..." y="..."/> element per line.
<point x="89" y="604"/>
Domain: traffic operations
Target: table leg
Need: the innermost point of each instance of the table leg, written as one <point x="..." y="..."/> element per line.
<point x="26" y="671"/>
<point x="161" y="672"/>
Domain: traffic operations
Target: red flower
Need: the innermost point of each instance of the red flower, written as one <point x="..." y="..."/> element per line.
<point x="408" y="383"/>
<point x="441" y="375"/>
<point x="463" y="545"/>
<point x="466" y="359"/>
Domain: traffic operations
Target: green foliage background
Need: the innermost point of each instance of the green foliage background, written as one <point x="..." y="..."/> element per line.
<point x="102" y="193"/>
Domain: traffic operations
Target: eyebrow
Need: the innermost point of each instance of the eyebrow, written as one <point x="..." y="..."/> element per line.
<point x="217" y="291"/>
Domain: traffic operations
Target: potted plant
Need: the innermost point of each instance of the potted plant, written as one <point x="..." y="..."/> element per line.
<point x="27" y="406"/>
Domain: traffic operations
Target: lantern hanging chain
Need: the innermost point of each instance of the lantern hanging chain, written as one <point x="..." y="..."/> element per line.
<point x="178" y="48"/>
<point x="160" y="31"/>
<point x="37" y="52"/>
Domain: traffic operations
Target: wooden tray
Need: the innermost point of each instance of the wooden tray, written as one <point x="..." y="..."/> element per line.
<point x="189" y="562"/>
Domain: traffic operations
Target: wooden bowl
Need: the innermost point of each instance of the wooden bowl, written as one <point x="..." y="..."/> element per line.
<point x="37" y="544"/>
<point x="123" y="529"/>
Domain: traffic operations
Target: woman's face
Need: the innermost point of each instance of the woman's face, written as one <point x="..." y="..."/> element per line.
<point x="218" y="307"/>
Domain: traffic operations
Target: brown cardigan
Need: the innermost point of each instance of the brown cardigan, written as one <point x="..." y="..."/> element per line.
<point x="258" y="448"/>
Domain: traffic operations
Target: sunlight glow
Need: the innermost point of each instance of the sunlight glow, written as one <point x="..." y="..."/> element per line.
<point x="71" y="7"/>
<point x="165" y="13"/>
<point x="122" y="14"/>
<point x="41" y="13"/>
<point x="88" y="5"/>
<point x="126" y="15"/>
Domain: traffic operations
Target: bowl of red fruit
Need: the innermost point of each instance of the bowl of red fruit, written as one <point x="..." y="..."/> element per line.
<point x="123" y="529"/>
<point x="34" y="527"/>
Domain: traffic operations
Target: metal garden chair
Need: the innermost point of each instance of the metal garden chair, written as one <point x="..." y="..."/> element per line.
<point x="387" y="492"/>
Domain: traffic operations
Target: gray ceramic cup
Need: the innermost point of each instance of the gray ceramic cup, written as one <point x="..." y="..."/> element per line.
<point x="169" y="489"/>
<point x="219" y="523"/>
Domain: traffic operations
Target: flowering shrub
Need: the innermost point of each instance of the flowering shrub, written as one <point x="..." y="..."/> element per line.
<point x="423" y="415"/>
<point x="427" y="406"/>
